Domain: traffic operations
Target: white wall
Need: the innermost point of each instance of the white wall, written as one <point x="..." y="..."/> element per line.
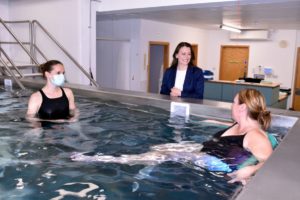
<point x="4" y="15"/>
<point x="264" y="53"/>
<point x="298" y="38"/>
<point x="116" y="52"/>
<point x="67" y="21"/>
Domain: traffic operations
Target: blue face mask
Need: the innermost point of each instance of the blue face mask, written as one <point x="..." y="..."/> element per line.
<point x="58" y="79"/>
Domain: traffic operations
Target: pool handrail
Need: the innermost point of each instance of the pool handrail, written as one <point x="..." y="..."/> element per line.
<point x="66" y="52"/>
<point x="33" y="46"/>
<point x="12" y="74"/>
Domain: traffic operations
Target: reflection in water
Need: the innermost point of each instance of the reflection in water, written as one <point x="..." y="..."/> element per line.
<point x="82" y="193"/>
<point x="183" y="152"/>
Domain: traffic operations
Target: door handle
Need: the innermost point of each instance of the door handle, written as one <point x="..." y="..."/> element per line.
<point x="297" y="91"/>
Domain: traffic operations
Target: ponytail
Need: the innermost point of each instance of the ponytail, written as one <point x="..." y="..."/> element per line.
<point x="256" y="105"/>
<point x="264" y="119"/>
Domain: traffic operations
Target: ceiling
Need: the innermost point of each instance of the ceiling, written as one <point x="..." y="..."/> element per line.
<point x="245" y="14"/>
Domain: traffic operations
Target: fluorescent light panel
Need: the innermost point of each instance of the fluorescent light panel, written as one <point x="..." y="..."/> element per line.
<point x="228" y="28"/>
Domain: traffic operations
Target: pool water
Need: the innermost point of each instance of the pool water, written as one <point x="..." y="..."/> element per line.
<point x="35" y="161"/>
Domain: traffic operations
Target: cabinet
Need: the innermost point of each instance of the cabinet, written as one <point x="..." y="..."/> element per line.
<point x="226" y="90"/>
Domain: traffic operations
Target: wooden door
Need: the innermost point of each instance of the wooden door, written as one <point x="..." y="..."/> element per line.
<point x="296" y="99"/>
<point x="234" y="62"/>
<point x="195" y="50"/>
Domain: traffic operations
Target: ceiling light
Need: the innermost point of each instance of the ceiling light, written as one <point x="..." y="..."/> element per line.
<point x="229" y="28"/>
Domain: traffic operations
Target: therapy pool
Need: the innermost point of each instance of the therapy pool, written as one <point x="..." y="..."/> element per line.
<point x="35" y="161"/>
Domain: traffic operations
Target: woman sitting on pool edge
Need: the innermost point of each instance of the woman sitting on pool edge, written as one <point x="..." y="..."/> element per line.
<point x="234" y="146"/>
<point x="52" y="102"/>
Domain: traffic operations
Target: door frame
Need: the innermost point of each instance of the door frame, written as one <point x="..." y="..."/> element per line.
<point x="166" y="64"/>
<point x="296" y="74"/>
<point x="195" y="50"/>
<point x="232" y="46"/>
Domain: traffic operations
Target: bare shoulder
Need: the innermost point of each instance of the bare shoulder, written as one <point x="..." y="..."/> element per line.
<point x="256" y="136"/>
<point x="68" y="91"/>
<point x="257" y="133"/>
<point x="36" y="96"/>
<point x="34" y="103"/>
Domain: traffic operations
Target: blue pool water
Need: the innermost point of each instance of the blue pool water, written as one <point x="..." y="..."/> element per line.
<point x="35" y="162"/>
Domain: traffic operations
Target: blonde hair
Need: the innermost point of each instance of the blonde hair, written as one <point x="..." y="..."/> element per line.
<point x="256" y="105"/>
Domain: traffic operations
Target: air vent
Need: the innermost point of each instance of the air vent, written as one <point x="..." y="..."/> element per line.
<point x="251" y="35"/>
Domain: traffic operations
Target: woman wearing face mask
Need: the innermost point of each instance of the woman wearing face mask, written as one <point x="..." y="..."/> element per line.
<point x="52" y="102"/>
<point x="183" y="79"/>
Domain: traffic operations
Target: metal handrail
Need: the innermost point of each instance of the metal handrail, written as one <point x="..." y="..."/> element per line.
<point x="11" y="62"/>
<point x="8" y="42"/>
<point x="19" y="42"/>
<point x="41" y="53"/>
<point x="12" y="74"/>
<point x="67" y="53"/>
<point x="17" y="21"/>
<point x="27" y="43"/>
<point x="33" y="46"/>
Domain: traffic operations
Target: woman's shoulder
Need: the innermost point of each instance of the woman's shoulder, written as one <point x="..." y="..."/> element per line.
<point x="195" y="69"/>
<point x="171" y="68"/>
<point x="68" y="91"/>
<point x="35" y="98"/>
<point x="256" y="136"/>
<point x="36" y="95"/>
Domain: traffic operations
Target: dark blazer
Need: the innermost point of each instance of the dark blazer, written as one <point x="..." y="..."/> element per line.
<point x="193" y="86"/>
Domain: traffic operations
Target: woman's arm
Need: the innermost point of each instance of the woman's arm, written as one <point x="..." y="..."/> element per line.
<point x="258" y="144"/>
<point x="34" y="105"/>
<point x="198" y="85"/>
<point x="212" y="121"/>
<point x="74" y="112"/>
<point x="243" y="175"/>
<point x="165" y="89"/>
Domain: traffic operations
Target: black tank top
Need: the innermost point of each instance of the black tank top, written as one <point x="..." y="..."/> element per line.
<point x="228" y="148"/>
<point x="56" y="108"/>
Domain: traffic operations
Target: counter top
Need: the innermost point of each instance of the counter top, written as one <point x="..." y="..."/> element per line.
<point x="262" y="84"/>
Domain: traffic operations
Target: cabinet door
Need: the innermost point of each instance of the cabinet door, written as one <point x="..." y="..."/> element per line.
<point x="212" y="91"/>
<point x="228" y="92"/>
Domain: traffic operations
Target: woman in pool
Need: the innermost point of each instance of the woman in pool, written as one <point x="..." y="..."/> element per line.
<point x="246" y="137"/>
<point x="52" y="102"/>
<point x="243" y="147"/>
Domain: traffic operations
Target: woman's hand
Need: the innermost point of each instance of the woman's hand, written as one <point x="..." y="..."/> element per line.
<point x="175" y="92"/>
<point x="242" y="175"/>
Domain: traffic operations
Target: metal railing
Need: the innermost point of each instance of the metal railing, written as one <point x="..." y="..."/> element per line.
<point x="17" y="40"/>
<point x="33" y="47"/>
<point x="11" y="62"/>
<point x="65" y="51"/>
<point x="11" y="73"/>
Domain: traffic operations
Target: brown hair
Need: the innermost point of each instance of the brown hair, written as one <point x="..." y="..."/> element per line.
<point x="179" y="46"/>
<point x="48" y="66"/>
<point x="256" y="105"/>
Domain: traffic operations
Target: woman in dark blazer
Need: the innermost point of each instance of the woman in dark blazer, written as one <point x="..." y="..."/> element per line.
<point x="183" y="79"/>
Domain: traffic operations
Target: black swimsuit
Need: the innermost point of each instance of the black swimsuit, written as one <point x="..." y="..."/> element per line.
<point x="228" y="148"/>
<point x="56" y="108"/>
